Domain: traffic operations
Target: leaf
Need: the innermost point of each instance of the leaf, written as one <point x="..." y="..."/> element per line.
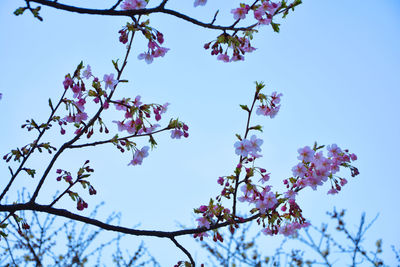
<point x="115" y="63"/>
<point x="257" y="128"/>
<point x="92" y="93"/>
<point x="275" y="26"/>
<point x="19" y="11"/>
<point x="152" y="141"/>
<point x="83" y="183"/>
<point x="84" y="176"/>
<point x="239" y="137"/>
<point x="3" y="225"/>
<point x="245" y="107"/>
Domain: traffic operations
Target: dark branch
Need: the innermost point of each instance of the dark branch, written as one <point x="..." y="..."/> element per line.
<point x="146" y="11"/>
<point x="120" y="229"/>
<point x="184" y="251"/>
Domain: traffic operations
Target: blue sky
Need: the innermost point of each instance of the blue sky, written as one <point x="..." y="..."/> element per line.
<point x="337" y="64"/>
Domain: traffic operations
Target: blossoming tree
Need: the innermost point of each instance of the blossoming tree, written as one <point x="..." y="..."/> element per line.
<point x="83" y="91"/>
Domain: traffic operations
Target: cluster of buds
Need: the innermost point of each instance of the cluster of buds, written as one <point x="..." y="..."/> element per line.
<point x="137" y="114"/>
<point x="81" y="177"/>
<point x="211" y="214"/>
<point x="76" y="105"/>
<point x="81" y="204"/>
<point x="154" y="37"/>
<point x="239" y="45"/>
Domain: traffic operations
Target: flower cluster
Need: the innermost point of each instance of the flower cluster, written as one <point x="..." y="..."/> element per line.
<point x="139" y="155"/>
<point x="178" y="132"/>
<point x="76" y="105"/>
<point x="269" y="105"/>
<point x="263" y="13"/>
<point x="250" y="147"/>
<point x="315" y="169"/>
<point x="154" y="37"/>
<point x="137" y="114"/>
<point x="210" y="214"/>
<point x="133" y="4"/>
<point x="239" y="45"/>
<point x="277" y="213"/>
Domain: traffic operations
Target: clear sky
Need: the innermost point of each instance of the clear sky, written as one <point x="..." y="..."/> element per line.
<point x="337" y="64"/>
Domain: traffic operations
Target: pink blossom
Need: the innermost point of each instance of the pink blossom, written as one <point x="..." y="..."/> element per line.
<point x="160" y="37"/>
<point x="147" y="57"/>
<point x="203" y="208"/>
<point x="130" y="126"/>
<point x="69" y="118"/>
<point x="176" y="134"/>
<point x="267" y="231"/>
<point x="288" y="229"/>
<point x="258" y="13"/>
<point x="242" y="148"/>
<point x="306" y="154"/>
<point x="199" y="3"/>
<point x="203" y="222"/>
<point x="81" y="116"/>
<point x="77" y="91"/>
<point x="121" y="105"/>
<point x="265" y="178"/>
<point x="80" y="104"/>
<point x="223" y="57"/>
<point x="139" y="156"/>
<point x="276" y="98"/>
<point x="87" y="73"/>
<point x="267" y="110"/>
<point x="152" y="45"/>
<point x="121" y="125"/>
<point x="106" y="105"/>
<point x="68" y="82"/>
<point x="109" y="81"/>
<point x="137" y="102"/>
<point x="133" y="4"/>
<point x="254" y="144"/>
<point x="247" y="47"/>
<point x="267" y="203"/>
<point x="299" y="170"/>
<point x="164" y="108"/>
<point x="332" y="191"/>
<point x="290" y="194"/>
<point x="152" y="128"/>
<point x="273" y="7"/>
<point x="240" y="12"/>
<point x="160" y="52"/>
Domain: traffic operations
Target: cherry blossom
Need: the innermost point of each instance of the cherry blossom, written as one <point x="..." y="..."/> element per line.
<point x="242" y="148"/>
<point x="305" y="154"/>
<point x="240" y="12"/>
<point x="87" y="73"/>
<point x="133" y="4"/>
<point x="199" y="3"/>
<point x="109" y="81"/>
<point x="147" y="57"/>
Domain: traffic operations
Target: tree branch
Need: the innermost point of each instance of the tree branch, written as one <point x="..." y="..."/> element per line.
<point x="184" y="251"/>
<point x="146" y="11"/>
<point x="115" y="228"/>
